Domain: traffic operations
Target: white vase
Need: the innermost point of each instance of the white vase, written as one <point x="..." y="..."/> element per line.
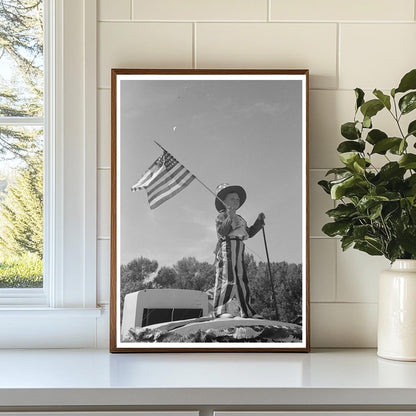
<point x="397" y="312"/>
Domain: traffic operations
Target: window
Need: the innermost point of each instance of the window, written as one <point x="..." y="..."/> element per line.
<point x="22" y="127"/>
<point x="63" y="313"/>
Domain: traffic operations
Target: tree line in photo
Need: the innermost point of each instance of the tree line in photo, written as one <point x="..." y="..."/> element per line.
<point x="189" y="273"/>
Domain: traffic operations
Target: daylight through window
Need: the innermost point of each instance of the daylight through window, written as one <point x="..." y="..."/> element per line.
<point x="21" y="143"/>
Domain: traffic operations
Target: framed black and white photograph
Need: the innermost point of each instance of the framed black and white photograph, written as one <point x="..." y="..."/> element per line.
<point x="209" y="211"/>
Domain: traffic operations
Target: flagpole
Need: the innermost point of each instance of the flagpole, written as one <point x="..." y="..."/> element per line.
<point x="202" y="183"/>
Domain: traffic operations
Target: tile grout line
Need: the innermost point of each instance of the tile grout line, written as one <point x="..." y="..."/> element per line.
<point x="323" y="237"/>
<point x="269" y="10"/>
<point x="344" y="303"/>
<point x="336" y="271"/>
<point x="308" y="22"/>
<point x="338" y="65"/>
<point x="131" y="9"/>
<point x="319" y="169"/>
<point x="194" y="63"/>
<point x="335" y="90"/>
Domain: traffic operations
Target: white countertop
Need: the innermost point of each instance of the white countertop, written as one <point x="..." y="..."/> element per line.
<point x="96" y="377"/>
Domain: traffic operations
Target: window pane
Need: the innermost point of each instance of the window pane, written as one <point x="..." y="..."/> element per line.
<point x="21" y="207"/>
<point x="21" y="58"/>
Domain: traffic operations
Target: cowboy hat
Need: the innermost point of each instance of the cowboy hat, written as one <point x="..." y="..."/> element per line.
<point x="224" y="189"/>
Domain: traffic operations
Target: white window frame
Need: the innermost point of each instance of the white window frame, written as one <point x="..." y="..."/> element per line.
<point x="64" y="313"/>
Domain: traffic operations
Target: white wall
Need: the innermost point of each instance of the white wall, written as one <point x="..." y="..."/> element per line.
<point x="345" y="44"/>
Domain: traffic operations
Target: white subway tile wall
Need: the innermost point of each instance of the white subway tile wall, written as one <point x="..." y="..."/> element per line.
<point x="365" y="49"/>
<point x="355" y="10"/>
<point x="328" y="109"/>
<point x="339" y="325"/>
<point x="142" y="45"/>
<point x="103" y="270"/>
<point x="114" y="10"/>
<point x="200" y="10"/>
<point x="104" y="202"/>
<point x="270" y="45"/>
<point x="104" y="128"/>
<point x="357" y="275"/>
<point x="323" y="269"/>
<point x="345" y="44"/>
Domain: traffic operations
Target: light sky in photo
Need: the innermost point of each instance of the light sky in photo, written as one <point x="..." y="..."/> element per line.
<point x="247" y="133"/>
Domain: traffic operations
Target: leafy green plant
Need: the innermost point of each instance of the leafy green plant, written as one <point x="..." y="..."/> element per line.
<point x="376" y="210"/>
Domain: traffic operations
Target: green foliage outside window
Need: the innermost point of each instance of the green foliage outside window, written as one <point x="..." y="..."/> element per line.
<point x="21" y="146"/>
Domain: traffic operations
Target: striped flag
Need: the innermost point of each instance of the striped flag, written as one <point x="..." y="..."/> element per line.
<point x="165" y="178"/>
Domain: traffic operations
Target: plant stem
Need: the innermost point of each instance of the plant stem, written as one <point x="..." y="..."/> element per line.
<point x="397" y="118"/>
<point x="376" y="248"/>
<point x="388" y="234"/>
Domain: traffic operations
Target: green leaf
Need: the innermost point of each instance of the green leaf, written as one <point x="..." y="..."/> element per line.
<point x="338" y="190"/>
<point x="349" y="146"/>
<point x="393" y="250"/>
<point x="350" y="131"/>
<point x="371" y="108"/>
<point x="413" y="211"/>
<point x="408" y="161"/>
<point x="349" y="158"/>
<point x="411" y="130"/>
<point x="374" y="242"/>
<point x="333" y="229"/>
<point x="383" y="145"/>
<point x="411" y="184"/>
<point x="385" y="99"/>
<point x="368" y="248"/>
<point x="375" y="212"/>
<point x="411" y="180"/>
<point x="398" y="149"/>
<point x="408" y="82"/>
<point x="325" y="186"/>
<point x="412" y="201"/>
<point x="367" y="122"/>
<point x="393" y="92"/>
<point x="407" y="239"/>
<point x="369" y="201"/>
<point x="391" y="170"/>
<point x="346" y="242"/>
<point x="408" y="102"/>
<point x="342" y="211"/>
<point x="359" y="165"/>
<point x="391" y="212"/>
<point x="374" y="136"/>
<point x="342" y="179"/>
<point x="359" y="95"/>
<point x="361" y="231"/>
<point x="402" y="147"/>
<point x="338" y="171"/>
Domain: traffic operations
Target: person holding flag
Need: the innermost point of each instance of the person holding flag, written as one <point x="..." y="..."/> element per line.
<point x="231" y="276"/>
<point x="164" y="179"/>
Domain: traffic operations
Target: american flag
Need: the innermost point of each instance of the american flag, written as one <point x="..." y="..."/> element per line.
<point x="165" y="178"/>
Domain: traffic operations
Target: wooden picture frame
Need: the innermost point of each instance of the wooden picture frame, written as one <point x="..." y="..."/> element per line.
<point x="190" y="271"/>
